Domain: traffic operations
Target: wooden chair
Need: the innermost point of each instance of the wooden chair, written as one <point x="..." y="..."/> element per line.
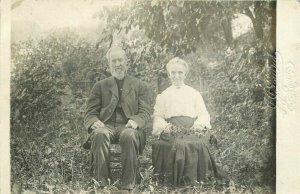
<point x="115" y="158"/>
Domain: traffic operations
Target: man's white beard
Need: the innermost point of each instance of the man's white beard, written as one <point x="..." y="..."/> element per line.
<point x="118" y="76"/>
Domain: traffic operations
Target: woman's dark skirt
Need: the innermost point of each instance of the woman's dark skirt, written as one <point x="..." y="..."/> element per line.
<point x="183" y="160"/>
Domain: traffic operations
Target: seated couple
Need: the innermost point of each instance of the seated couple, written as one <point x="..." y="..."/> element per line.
<point x="118" y="109"/>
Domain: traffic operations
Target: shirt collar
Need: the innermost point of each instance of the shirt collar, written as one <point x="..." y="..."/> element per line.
<point x="178" y="87"/>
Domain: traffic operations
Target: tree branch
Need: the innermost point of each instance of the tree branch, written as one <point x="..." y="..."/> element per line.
<point x="249" y="14"/>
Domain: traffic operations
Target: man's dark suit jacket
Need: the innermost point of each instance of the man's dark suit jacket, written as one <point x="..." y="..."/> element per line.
<point x="104" y="97"/>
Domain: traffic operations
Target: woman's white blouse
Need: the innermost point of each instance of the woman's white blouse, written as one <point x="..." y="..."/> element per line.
<point x="183" y="101"/>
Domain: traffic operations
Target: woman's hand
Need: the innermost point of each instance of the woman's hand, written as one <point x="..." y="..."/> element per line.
<point x="197" y="127"/>
<point x="200" y="130"/>
<point x="167" y="129"/>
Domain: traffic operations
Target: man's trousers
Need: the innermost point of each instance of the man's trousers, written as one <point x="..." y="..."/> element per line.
<point x="132" y="142"/>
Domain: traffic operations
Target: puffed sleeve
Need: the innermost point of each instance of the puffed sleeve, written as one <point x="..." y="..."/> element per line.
<point x="203" y="117"/>
<point x="159" y="122"/>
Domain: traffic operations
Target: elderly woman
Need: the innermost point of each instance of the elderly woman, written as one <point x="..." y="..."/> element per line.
<point x="183" y="159"/>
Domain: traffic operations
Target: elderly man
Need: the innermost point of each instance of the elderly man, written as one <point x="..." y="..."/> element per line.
<point x="117" y="110"/>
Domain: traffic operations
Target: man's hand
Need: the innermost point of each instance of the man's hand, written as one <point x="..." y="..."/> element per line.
<point x="131" y="124"/>
<point x="97" y="125"/>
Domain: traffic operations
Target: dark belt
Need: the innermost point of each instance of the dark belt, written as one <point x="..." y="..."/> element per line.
<point x="182" y="121"/>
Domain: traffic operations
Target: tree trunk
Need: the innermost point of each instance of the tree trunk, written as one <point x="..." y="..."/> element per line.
<point x="257" y="19"/>
<point x="226" y="24"/>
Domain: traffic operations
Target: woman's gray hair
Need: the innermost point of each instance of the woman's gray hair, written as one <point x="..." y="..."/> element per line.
<point x="177" y="60"/>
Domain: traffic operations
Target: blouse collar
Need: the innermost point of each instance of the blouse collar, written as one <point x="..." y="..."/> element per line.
<point x="178" y="87"/>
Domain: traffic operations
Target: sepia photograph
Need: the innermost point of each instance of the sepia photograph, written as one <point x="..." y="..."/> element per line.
<point x="144" y="96"/>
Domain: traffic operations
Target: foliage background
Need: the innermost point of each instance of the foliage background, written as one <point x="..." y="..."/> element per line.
<point x="52" y="77"/>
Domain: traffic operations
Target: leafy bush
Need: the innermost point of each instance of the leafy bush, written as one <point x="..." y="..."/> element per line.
<point x="46" y="133"/>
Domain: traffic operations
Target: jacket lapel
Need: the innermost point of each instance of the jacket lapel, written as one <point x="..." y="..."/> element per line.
<point x="126" y="87"/>
<point x="114" y="88"/>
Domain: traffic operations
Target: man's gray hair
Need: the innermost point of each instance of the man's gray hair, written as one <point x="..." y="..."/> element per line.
<point x="114" y="48"/>
<point x="177" y="60"/>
